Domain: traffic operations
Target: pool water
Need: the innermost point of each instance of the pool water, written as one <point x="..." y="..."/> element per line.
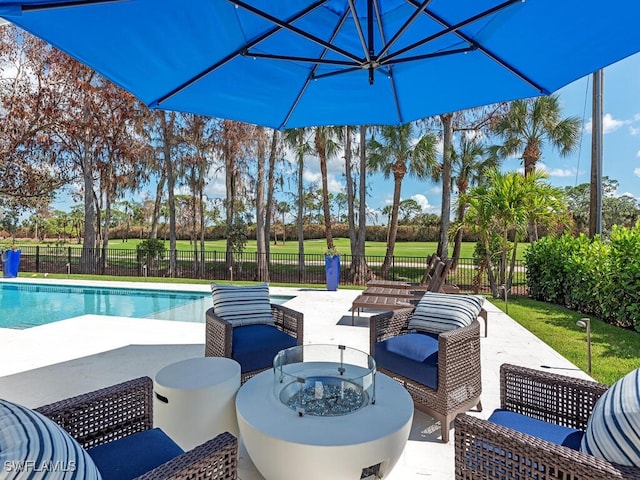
<point x="25" y="305"/>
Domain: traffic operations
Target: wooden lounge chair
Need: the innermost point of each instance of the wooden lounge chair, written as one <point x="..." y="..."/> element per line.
<point x="374" y="302"/>
<point x="433" y="281"/>
<point x="390" y="292"/>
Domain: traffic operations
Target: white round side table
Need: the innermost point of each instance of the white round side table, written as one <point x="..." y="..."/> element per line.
<point x="194" y="399"/>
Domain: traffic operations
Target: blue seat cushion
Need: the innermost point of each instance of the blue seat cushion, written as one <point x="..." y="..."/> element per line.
<point x="568" y="437"/>
<point x="413" y="355"/>
<point x="131" y="456"/>
<point x="254" y="346"/>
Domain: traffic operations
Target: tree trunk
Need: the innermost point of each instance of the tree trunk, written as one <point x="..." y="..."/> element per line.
<point x="230" y="199"/>
<point x="194" y="220"/>
<point x="359" y="272"/>
<point x="322" y="153"/>
<point x="263" y="269"/>
<point x="445" y="216"/>
<point x="89" y="244"/>
<point x="301" y="268"/>
<point x="157" y="203"/>
<point x="393" y="227"/>
<point x="270" y="193"/>
<point x="168" y="122"/>
<point x="105" y="237"/>
<point x="202" y="228"/>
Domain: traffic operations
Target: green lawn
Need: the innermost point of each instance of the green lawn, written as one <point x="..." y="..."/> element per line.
<point x="319" y="246"/>
<point x="614" y="351"/>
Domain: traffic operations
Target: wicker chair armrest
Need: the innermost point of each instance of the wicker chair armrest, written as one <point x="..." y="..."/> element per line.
<point x="459" y="363"/>
<point x="389" y="324"/>
<point x="547" y="396"/>
<point x="216" y="459"/>
<point x="289" y="321"/>
<point x="107" y="414"/>
<point x="219" y="337"/>
<point x="484" y="450"/>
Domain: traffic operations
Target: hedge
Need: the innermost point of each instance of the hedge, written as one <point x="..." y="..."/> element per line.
<point x="598" y="277"/>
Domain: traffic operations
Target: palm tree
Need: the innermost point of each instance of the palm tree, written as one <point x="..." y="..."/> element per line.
<point x="326" y="147"/>
<point x="506" y="203"/>
<point x="529" y="125"/>
<point x="296" y="138"/>
<point x="283" y="208"/>
<point x="398" y="154"/>
<point x="470" y="162"/>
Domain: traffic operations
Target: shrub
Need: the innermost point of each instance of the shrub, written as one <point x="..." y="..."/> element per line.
<point x="622" y="302"/>
<point x="590" y="276"/>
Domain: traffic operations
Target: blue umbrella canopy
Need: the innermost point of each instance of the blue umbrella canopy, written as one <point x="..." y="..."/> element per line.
<point x="294" y="63"/>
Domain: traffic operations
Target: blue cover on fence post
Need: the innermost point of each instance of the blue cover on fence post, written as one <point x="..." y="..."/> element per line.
<point x="11" y="265"/>
<point x="332" y="270"/>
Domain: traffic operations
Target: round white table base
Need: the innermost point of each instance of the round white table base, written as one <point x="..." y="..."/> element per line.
<point x="285" y="446"/>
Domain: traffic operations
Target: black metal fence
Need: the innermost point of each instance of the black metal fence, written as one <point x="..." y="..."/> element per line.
<point x="214" y="265"/>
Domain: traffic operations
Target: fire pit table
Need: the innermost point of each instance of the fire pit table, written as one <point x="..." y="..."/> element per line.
<point x="323" y="412"/>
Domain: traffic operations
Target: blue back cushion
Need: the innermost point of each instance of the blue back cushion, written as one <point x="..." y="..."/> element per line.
<point x="131" y="456"/>
<point x="413" y="355"/>
<point x="254" y="346"/>
<point x="568" y="437"/>
<point x="33" y="446"/>
<point x="613" y="430"/>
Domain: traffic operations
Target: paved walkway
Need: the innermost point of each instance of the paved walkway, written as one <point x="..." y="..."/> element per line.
<point x="47" y="363"/>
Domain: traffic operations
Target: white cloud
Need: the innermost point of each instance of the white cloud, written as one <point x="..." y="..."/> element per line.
<point x="634" y="131"/>
<point x="609" y="124"/>
<point x="638" y="154"/>
<point x="424" y="203"/>
<point x="636" y="172"/>
<point x="561" y="172"/>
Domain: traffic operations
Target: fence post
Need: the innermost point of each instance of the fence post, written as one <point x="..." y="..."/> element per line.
<point x="37" y="258"/>
<point x="393" y="267"/>
<point x="69" y="257"/>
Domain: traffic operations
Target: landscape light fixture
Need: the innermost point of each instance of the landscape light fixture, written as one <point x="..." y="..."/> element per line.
<point x="586" y="323"/>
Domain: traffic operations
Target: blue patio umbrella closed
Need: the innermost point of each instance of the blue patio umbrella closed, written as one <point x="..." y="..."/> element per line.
<point x="293" y="63"/>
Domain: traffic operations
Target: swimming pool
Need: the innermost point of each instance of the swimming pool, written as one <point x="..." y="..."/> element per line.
<point x="25" y="305"/>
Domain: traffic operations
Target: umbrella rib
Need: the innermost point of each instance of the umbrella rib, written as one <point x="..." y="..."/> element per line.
<point x="429" y="55"/>
<point x="450" y="28"/>
<point x="55" y="5"/>
<point x="303" y="59"/>
<point x="356" y="22"/>
<point x="338" y="27"/>
<point x="231" y="56"/>
<point x="455" y="29"/>
<point x="287" y="26"/>
<point x="414" y="16"/>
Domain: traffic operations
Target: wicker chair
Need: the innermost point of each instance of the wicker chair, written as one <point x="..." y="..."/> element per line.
<point x="459" y="382"/>
<point x="219" y="334"/>
<point x="486" y="450"/>
<point x="121" y="410"/>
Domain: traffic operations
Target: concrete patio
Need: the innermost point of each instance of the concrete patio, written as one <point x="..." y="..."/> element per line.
<point x="50" y="362"/>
